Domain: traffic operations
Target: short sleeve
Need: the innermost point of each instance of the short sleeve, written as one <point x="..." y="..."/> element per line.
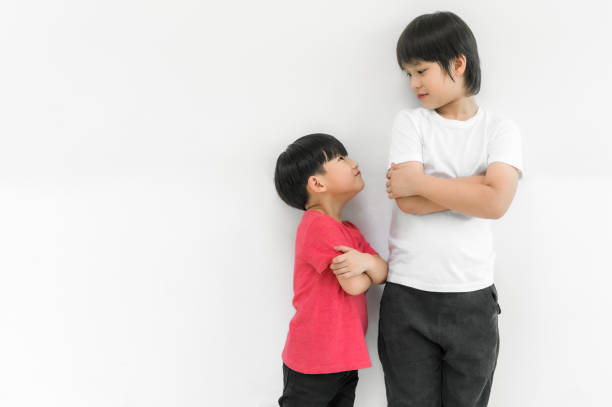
<point x="319" y="240"/>
<point x="506" y="146"/>
<point x="406" y="144"/>
<point x="364" y="246"/>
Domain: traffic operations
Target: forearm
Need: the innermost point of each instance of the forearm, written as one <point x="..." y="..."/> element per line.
<point x="377" y="269"/>
<point x="419" y="205"/>
<point x="469" y="198"/>
<point x="355" y="285"/>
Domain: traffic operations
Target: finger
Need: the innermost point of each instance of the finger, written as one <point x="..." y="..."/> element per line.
<point x="339" y="259"/>
<point x="342" y="271"/>
<point x="349" y="274"/>
<point x="343" y="248"/>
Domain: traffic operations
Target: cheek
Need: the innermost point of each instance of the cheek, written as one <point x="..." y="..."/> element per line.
<point x="433" y="83"/>
<point x="349" y="179"/>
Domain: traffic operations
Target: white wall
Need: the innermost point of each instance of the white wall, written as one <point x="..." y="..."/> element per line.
<point x="145" y="259"/>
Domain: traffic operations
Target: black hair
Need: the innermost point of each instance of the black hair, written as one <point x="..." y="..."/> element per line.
<point x="303" y="158"/>
<point x="441" y="37"/>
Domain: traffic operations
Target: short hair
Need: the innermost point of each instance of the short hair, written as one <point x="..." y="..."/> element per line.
<point x="303" y="158"/>
<point x="440" y="37"/>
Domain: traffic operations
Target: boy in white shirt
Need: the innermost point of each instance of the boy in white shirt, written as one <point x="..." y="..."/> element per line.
<point x="453" y="166"/>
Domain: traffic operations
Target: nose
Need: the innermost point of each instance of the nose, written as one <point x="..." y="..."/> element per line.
<point x="415" y="84"/>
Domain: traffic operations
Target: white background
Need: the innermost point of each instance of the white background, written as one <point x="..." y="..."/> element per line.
<point x="145" y="259"/>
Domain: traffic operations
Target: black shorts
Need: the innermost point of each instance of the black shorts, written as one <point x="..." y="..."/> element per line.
<point x="318" y="390"/>
<point x="438" y="349"/>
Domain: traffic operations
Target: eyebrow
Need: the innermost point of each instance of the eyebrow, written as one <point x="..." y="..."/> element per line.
<point x="414" y="65"/>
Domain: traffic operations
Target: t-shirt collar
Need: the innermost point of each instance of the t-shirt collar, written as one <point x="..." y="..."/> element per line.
<point x="457" y="123"/>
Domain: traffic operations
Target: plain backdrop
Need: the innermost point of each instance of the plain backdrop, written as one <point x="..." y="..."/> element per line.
<point x="145" y="258"/>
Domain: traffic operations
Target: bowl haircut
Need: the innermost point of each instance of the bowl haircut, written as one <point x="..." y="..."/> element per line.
<point x="303" y="158"/>
<point x="441" y="37"/>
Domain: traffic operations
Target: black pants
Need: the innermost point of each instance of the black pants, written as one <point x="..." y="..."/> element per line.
<point x="318" y="390"/>
<point x="438" y="349"/>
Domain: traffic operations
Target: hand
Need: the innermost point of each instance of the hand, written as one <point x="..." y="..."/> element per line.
<point x="404" y="179"/>
<point x="349" y="264"/>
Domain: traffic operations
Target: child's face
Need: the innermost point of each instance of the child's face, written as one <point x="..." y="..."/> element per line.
<point x="342" y="176"/>
<point x="432" y="85"/>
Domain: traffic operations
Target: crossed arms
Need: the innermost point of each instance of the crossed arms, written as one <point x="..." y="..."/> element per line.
<point x="484" y="196"/>
<point x="356" y="271"/>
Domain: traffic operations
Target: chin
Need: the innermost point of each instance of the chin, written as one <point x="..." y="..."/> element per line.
<point x="361" y="186"/>
<point x="431" y="106"/>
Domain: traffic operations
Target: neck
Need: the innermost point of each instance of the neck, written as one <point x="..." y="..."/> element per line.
<point x="330" y="208"/>
<point x="459" y="109"/>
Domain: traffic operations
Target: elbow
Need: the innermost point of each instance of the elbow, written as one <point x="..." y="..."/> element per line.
<point x="404" y="206"/>
<point x="381" y="280"/>
<point x="492" y="215"/>
<point x="383" y="276"/>
<point x="496" y="206"/>
<point x="378" y="271"/>
<point x="355" y="290"/>
<point x="496" y="216"/>
<point x="497" y="212"/>
<point x="356" y="285"/>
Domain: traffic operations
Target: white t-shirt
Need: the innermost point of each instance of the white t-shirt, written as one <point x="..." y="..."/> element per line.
<point x="447" y="251"/>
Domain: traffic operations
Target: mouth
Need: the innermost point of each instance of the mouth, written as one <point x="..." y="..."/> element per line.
<point x="422" y="95"/>
<point x="358" y="173"/>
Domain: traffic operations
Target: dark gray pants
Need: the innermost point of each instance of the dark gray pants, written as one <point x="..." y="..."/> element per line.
<point x="438" y="349"/>
<point x="318" y="390"/>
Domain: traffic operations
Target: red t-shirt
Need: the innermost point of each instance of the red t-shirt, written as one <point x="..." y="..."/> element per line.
<point x="327" y="332"/>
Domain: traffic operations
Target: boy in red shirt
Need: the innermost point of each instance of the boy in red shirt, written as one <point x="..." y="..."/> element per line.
<point x="334" y="267"/>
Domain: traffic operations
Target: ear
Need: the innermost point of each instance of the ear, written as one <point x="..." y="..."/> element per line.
<point x="460" y="64"/>
<point x="316" y="184"/>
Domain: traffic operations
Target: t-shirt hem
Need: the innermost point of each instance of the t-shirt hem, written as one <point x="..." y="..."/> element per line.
<point x="328" y="369"/>
<point x="446" y="288"/>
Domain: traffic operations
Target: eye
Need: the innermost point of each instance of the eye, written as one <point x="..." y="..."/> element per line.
<point x="420" y="72"/>
<point x="340" y="158"/>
